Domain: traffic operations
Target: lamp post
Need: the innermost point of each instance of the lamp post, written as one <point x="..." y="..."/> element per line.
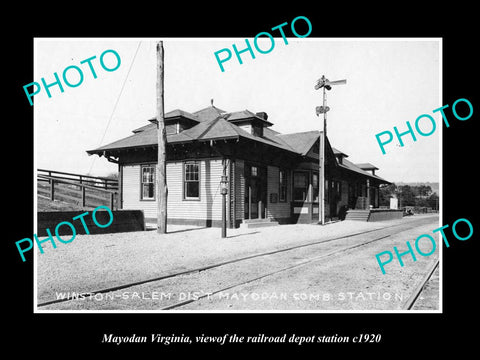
<point x="324" y="83"/>
<point x="224" y="192"/>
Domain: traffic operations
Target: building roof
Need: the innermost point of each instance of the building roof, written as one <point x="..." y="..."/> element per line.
<point x="300" y="142"/>
<point x="366" y="166"/>
<point x="169" y="116"/>
<point x="338" y="152"/>
<point x="214" y="124"/>
<point x="245" y="115"/>
<point x="346" y="164"/>
<point x="209" y="113"/>
<point x="213" y="129"/>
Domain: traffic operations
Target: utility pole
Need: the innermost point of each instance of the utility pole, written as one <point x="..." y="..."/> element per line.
<point x="324" y="83"/>
<point x="161" y="178"/>
<point x="224" y="192"/>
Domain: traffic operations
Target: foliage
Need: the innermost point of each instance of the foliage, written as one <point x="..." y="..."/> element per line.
<point x="409" y="195"/>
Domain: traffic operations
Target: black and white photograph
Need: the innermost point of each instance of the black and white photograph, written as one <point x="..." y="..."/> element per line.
<point x="285" y="182"/>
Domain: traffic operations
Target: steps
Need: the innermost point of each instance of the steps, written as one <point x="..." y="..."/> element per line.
<point x="358" y="215"/>
<point x="256" y="223"/>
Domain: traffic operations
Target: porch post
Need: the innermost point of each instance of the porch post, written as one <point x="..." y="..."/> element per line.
<point x="249" y="202"/>
<point x="368" y="194"/>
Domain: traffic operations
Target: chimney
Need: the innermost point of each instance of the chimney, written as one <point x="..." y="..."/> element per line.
<point x="262" y="115"/>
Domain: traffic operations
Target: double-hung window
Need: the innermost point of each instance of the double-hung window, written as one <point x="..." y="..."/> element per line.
<point x="191" y="181"/>
<point x="300" y="186"/>
<point x="148" y="182"/>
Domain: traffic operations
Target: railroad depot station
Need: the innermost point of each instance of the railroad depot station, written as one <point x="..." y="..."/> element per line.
<point x="272" y="177"/>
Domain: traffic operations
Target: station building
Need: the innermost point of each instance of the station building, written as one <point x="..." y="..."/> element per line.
<point x="271" y="176"/>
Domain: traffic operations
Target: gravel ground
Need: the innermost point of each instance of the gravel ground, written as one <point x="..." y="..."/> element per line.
<point x="93" y="262"/>
<point x="428" y="298"/>
<point x="349" y="281"/>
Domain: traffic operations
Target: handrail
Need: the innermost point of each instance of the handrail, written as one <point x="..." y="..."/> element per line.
<point x="113" y="193"/>
<point x="96" y="184"/>
<point x="59" y="180"/>
<point x="79" y="175"/>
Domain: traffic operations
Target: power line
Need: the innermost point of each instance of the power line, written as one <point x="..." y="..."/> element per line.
<point x="116" y="102"/>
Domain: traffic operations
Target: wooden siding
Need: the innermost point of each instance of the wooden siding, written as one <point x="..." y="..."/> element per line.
<point x="344" y="198"/>
<point x="231" y="198"/>
<point x="207" y="207"/>
<point x="277" y="210"/>
<point x="239" y="189"/>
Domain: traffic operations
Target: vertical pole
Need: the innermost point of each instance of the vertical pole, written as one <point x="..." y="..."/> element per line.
<point x="249" y="202"/>
<point x="321" y="175"/>
<point x="233" y="195"/>
<point x="83" y="196"/>
<point x="368" y="194"/>
<point x="224" y="216"/>
<point x="52" y="189"/>
<point x="120" y="187"/>
<point x="162" y="139"/>
<point x="224" y="202"/>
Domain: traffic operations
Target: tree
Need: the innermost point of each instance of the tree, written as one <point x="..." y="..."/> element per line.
<point x="385" y="193"/>
<point x="406" y="195"/>
<point x="424" y="190"/>
<point x="433" y="201"/>
<point x="112" y="175"/>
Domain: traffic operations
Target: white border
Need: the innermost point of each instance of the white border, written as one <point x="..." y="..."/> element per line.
<point x="439" y="311"/>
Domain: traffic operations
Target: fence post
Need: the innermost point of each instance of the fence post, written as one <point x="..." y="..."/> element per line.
<point x="112" y="200"/>
<point x="83" y="196"/>
<point x="52" y="189"/>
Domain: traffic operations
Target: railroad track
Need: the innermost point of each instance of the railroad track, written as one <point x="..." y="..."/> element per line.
<point x="409" y="304"/>
<point x="245" y="258"/>
<point x="291" y="267"/>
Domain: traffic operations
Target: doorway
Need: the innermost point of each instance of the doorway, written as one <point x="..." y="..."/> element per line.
<point x="255" y="191"/>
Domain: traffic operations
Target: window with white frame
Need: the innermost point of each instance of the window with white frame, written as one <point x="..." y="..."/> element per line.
<point x="191" y="181"/>
<point x="147" y="182"/>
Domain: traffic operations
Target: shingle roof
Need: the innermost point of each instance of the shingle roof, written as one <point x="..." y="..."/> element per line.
<point x="300" y="142"/>
<point x="213" y="129"/>
<point x="351" y="166"/>
<point x="366" y="166"/>
<point x="214" y="124"/>
<point x="338" y="152"/>
<point x="168" y="116"/>
<point x="209" y="113"/>
<point x="245" y="114"/>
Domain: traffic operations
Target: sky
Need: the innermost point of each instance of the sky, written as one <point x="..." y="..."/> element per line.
<point x="389" y="82"/>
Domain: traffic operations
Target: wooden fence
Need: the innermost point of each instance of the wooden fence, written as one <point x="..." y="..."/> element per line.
<point x="98" y="181"/>
<point x="81" y="190"/>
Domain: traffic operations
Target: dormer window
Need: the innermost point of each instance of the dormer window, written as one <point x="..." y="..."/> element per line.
<point x="339" y="155"/>
<point x="367" y="167"/>
<point x="257" y="130"/>
<point x="248" y="121"/>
